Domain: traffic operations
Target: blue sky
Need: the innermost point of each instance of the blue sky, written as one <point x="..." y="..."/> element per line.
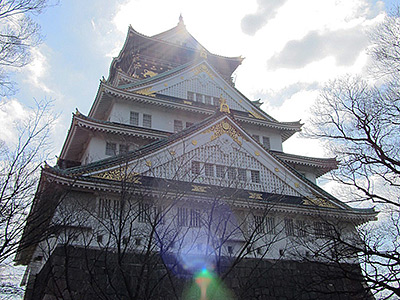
<point x="291" y="48"/>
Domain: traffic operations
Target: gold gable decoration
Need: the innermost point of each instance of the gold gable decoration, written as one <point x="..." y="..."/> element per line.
<point x="223" y="106"/>
<point x="222" y="128"/>
<point x="256" y="115"/>
<point x="146" y="92"/>
<point x="318" y="202"/>
<point x="203" y="68"/>
<point x="119" y="174"/>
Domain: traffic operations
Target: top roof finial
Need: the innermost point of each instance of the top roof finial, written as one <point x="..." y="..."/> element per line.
<point x="181" y="23"/>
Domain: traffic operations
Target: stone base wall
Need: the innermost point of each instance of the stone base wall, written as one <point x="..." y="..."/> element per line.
<point x="77" y="273"/>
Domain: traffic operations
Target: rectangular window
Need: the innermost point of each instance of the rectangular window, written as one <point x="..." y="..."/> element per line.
<point x="144" y="212"/>
<point x="220" y="171"/>
<point x="259" y="224"/>
<point x="266" y="142"/>
<point x="195" y="167"/>
<point x="183" y="216"/>
<point x="216" y="101"/>
<point x="301" y="227"/>
<point x="178" y="126"/>
<point x="189" y="124"/>
<point x="190" y="96"/>
<point x="242" y="176"/>
<point x="159" y="215"/>
<point x="270" y="225"/>
<point x="289" y="227"/>
<point x="256" y="137"/>
<point x="231" y="173"/>
<point x="199" y="97"/>
<point x="195" y="218"/>
<point x="209" y="169"/>
<point x="207" y="99"/>
<point x="123" y="149"/>
<point x="134" y="118"/>
<point x="111" y="148"/>
<point x="255" y="176"/>
<point x="146" y="120"/>
<point x="109" y="208"/>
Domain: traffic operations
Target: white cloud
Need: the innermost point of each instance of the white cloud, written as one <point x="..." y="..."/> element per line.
<point x="37" y="70"/>
<point x="12" y="112"/>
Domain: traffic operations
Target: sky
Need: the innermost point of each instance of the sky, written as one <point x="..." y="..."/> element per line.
<point x="291" y="49"/>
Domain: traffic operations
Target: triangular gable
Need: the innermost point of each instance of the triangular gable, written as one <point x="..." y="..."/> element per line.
<point x="222" y="143"/>
<point x="203" y="79"/>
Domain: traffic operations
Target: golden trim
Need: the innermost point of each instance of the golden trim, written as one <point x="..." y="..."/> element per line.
<point x="172" y="152"/>
<point x="318" y="202"/>
<point x="187" y="102"/>
<point x="199" y="188"/>
<point x="165" y="84"/>
<point x="223" y="106"/>
<point x="194" y="142"/>
<point x="222" y="128"/>
<point x="257" y="153"/>
<point x="148" y="73"/>
<point x="255" y="196"/>
<point x="296" y="184"/>
<point x="148" y="163"/>
<point x="276" y="170"/>
<point x="203" y="68"/>
<point x="119" y="174"/>
<point x="256" y="115"/>
<point x="146" y="92"/>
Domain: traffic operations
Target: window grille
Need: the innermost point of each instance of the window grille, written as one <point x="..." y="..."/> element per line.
<point x="255" y="176"/>
<point x="220" y="171"/>
<point x="195" y="168"/>
<point x="259" y="224"/>
<point x="231" y="173"/>
<point x="109" y="208"/>
<point x="111" y="148"/>
<point x="270" y="225"/>
<point x="123" y="149"/>
<point x="209" y="169"/>
<point x="195" y="218"/>
<point x="207" y="99"/>
<point x="199" y="97"/>
<point x="301" y="228"/>
<point x="289" y="227"/>
<point x="183" y="216"/>
<point x="242" y="176"/>
<point x="266" y="142"/>
<point x="144" y="212"/>
<point x="146" y="120"/>
<point x="190" y="96"/>
<point x="178" y="126"/>
<point x="134" y="118"/>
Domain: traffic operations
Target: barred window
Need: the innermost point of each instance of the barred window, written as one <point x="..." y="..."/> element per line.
<point x="195" y="167"/>
<point x="270" y="225"/>
<point x="159" y="215"/>
<point x="134" y="118"/>
<point x="242" y="176"/>
<point x="266" y="142"/>
<point x="109" y="208"/>
<point x="259" y="224"/>
<point x="190" y="96"/>
<point x="195" y="218"/>
<point x="146" y="120"/>
<point x="301" y="228"/>
<point x="178" y="125"/>
<point x="231" y="173"/>
<point x="123" y="149"/>
<point x="199" y="97"/>
<point x="209" y="169"/>
<point x="183" y="216"/>
<point x="207" y="99"/>
<point x="319" y="229"/>
<point x="255" y="176"/>
<point x="220" y="171"/>
<point x="289" y="227"/>
<point x="111" y="148"/>
<point x="144" y="212"/>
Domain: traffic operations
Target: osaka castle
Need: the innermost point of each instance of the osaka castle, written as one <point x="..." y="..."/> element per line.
<point x="175" y="186"/>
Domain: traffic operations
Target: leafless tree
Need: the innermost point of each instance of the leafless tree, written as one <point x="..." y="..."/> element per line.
<point x="361" y="124"/>
<point x="20" y="162"/>
<point x="19" y="33"/>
